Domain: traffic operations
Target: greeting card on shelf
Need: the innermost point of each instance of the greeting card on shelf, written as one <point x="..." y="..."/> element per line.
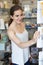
<point x="2" y="24"/>
<point x="40" y="39"/>
<point x="40" y="12"/>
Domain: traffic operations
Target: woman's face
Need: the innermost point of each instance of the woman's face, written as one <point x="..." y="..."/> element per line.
<point x="18" y="16"/>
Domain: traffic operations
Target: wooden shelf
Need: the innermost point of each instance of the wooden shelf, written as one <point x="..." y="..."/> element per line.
<point x="30" y="17"/>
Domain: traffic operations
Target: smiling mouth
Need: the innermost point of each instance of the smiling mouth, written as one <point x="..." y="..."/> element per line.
<point x="19" y="20"/>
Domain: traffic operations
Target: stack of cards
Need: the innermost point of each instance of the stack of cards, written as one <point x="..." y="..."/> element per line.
<point x="40" y="21"/>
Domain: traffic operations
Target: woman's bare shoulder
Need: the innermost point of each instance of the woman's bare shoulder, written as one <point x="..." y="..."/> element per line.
<point x="11" y="28"/>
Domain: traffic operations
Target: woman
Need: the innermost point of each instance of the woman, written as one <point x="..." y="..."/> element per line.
<point x="19" y="37"/>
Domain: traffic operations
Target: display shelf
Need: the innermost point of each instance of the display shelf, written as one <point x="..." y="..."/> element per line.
<point x="1" y="9"/>
<point x="32" y="26"/>
<point x="27" y="27"/>
<point x="30" y="17"/>
<point x="3" y="39"/>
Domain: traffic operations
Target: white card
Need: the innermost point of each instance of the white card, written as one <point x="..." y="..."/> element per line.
<point x="2" y="24"/>
<point x="40" y="12"/>
<point x="40" y="39"/>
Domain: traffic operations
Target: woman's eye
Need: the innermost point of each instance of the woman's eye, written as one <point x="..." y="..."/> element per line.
<point x="16" y="15"/>
<point x="21" y="14"/>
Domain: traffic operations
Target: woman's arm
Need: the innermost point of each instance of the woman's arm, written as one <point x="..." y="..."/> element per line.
<point x="15" y="39"/>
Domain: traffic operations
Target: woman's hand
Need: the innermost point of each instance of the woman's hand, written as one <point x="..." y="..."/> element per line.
<point x="36" y="35"/>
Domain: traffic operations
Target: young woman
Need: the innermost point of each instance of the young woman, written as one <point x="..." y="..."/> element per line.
<point x="19" y="37"/>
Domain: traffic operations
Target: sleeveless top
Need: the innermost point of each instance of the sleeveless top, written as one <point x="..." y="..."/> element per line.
<point x="20" y="55"/>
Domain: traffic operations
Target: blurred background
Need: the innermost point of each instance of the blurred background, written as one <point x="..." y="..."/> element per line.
<point x="30" y="12"/>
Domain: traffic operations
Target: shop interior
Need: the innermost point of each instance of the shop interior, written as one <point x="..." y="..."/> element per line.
<point x="30" y="11"/>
